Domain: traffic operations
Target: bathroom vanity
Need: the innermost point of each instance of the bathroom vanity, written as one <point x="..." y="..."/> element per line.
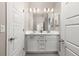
<point x="42" y="33"/>
<point x="41" y="42"/>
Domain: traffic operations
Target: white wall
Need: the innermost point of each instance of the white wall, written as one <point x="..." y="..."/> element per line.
<point x="57" y="11"/>
<point x="2" y="34"/>
<point x="26" y="17"/>
<point x="57" y="7"/>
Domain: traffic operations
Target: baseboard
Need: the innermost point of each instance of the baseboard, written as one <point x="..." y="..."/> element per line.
<point x="45" y="52"/>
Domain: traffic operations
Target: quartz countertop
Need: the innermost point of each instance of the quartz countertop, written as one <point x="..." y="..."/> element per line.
<point x="43" y="33"/>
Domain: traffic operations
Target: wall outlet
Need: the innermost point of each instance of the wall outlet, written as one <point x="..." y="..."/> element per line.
<point x="2" y="28"/>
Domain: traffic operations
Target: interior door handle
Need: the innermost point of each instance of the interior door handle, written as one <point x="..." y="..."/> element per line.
<point x="61" y="40"/>
<point x="11" y="39"/>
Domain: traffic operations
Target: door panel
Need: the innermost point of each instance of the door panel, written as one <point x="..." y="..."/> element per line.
<point x="10" y="29"/>
<point x="15" y="26"/>
<point x="70" y="53"/>
<point x="72" y="21"/>
<point x="70" y="9"/>
<point x="72" y="34"/>
<point x="72" y="47"/>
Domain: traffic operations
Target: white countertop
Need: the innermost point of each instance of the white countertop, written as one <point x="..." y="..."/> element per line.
<point x="44" y="33"/>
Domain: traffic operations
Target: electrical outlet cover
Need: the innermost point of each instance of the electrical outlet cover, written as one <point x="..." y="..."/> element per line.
<point x="2" y="28"/>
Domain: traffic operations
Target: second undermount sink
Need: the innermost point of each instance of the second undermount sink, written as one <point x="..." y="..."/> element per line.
<point x="37" y="32"/>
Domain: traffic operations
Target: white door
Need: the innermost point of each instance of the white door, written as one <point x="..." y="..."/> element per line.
<point x="15" y="26"/>
<point x="70" y="26"/>
<point x="61" y="44"/>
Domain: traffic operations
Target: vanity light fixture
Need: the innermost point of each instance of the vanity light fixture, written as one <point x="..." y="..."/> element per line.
<point x="38" y="10"/>
<point x="45" y="10"/>
<point x="30" y="9"/>
<point x="48" y="9"/>
<point x="34" y="10"/>
<point x="52" y="10"/>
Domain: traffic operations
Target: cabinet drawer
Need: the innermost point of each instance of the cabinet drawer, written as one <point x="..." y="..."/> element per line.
<point x="31" y="37"/>
<point x="51" y="37"/>
<point x="41" y="37"/>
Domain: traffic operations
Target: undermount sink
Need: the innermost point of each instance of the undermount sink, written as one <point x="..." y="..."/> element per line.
<point x="37" y="32"/>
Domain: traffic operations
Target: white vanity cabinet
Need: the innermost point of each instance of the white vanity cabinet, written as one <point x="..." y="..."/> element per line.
<point x="41" y="43"/>
<point x="34" y="43"/>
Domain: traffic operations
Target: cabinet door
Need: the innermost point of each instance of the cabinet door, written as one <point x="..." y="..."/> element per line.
<point x="41" y="43"/>
<point x="32" y="44"/>
<point x="51" y="43"/>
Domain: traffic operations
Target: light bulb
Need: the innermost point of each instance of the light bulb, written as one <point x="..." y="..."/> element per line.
<point x="38" y="9"/>
<point x="44" y="9"/>
<point x="30" y="9"/>
<point x="52" y="10"/>
<point x="48" y="10"/>
<point x="34" y="10"/>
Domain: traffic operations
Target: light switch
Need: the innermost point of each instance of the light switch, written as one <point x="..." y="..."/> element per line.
<point x="2" y="28"/>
